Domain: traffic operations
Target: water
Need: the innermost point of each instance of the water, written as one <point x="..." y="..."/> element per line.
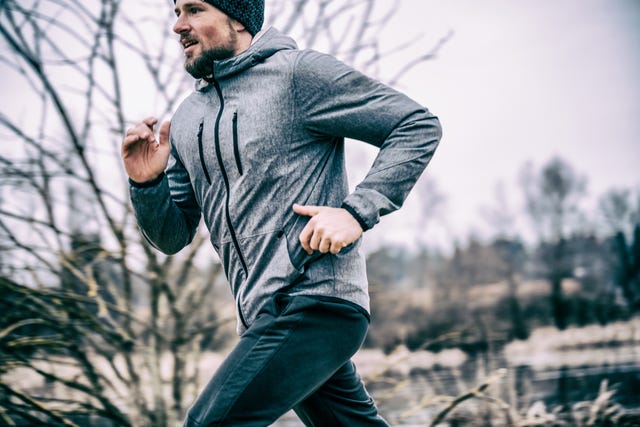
<point x="559" y="380"/>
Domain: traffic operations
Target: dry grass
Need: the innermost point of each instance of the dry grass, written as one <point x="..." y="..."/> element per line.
<point x="482" y="404"/>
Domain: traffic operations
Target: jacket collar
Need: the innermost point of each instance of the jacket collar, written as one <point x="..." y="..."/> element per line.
<point x="270" y="42"/>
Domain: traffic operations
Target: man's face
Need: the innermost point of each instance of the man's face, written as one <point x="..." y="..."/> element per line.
<point x="206" y="34"/>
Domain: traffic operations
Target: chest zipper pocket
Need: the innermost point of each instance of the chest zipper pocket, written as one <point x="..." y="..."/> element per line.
<point x="236" y="148"/>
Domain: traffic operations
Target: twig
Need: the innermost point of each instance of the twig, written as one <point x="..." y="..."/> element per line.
<point x="476" y="392"/>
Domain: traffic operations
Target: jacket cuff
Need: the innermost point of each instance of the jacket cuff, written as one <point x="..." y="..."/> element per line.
<point x="146" y="184"/>
<point x="356" y="215"/>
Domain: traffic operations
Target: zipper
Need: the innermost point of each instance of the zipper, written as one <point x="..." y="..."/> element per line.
<point x="240" y="314"/>
<point x="225" y="178"/>
<point x="201" y="150"/>
<point x="236" y="149"/>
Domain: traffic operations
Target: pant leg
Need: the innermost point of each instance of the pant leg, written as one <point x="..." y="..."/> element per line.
<point x="294" y="346"/>
<point x="341" y="401"/>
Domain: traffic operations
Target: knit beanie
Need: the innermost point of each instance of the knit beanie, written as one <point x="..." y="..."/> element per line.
<point x="249" y="13"/>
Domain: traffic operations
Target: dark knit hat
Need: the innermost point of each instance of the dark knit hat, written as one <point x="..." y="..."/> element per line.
<point x="249" y="13"/>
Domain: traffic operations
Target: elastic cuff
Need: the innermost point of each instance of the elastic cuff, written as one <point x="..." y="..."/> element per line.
<point x="146" y="184"/>
<point x="356" y="215"/>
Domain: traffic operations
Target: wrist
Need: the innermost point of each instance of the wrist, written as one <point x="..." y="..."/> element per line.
<point x="355" y="216"/>
<point x="147" y="183"/>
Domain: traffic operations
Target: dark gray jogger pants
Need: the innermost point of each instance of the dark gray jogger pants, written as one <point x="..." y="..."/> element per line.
<point x="296" y="355"/>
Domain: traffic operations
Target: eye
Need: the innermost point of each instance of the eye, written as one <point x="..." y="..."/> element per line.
<point x="194" y="10"/>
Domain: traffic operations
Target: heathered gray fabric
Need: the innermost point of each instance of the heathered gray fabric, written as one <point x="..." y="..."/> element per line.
<point x="292" y="110"/>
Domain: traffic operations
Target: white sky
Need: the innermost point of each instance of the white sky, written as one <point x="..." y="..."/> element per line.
<point x="525" y="81"/>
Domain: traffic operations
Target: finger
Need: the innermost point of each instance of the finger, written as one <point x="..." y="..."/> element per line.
<point x="146" y="129"/>
<point x="130" y="140"/>
<point x="306" y="210"/>
<point x="150" y="121"/>
<point x="315" y="241"/>
<point x="147" y="134"/>
<point x="137" y="129"/>
<point x="337" y="246"/>
<point x="324" y="246"/>
<point x="305" y="236"/>
<point x="142" y="131"/>
<point x="165" y="129"/>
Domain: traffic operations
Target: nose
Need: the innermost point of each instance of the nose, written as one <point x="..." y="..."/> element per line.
<point x="181" y="25"/>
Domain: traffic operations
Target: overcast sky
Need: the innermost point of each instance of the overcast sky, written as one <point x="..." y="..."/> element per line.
<point x="525" y="81"/>
<point x="518" y="81"/>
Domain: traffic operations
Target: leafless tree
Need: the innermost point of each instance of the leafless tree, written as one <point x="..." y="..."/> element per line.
<point x="620" y="209"/>
<point x="511" y="254"/>
<point x="96" y="326"/>
<point x="552" y="197"/>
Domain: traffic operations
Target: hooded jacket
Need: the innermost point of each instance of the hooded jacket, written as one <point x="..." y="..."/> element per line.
<point x="265" y="132"/>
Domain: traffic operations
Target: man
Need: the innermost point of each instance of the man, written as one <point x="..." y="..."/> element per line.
<point x="258" y="151"/>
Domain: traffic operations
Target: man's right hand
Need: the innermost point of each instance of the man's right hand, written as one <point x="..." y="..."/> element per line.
<point x="144" y="156"/>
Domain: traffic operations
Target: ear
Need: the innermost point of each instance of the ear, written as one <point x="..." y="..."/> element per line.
<point x="236" y="25"/>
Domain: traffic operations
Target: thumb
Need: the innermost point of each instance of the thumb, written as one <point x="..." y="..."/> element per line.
<point x="306" y="210"/>
<point x="164" y="132"/>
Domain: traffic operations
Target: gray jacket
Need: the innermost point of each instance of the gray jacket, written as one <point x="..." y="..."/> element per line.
<point x="267" y="132"/>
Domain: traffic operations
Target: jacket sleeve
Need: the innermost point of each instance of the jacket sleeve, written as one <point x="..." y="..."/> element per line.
<point x="336" y="100"/>
<point x="166" y="208"/>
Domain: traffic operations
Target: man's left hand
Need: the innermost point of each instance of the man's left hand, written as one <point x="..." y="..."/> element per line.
<point x="328" y="230"/>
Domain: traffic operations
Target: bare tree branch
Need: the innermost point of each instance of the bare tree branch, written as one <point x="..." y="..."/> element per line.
<point x="87" y="294"/>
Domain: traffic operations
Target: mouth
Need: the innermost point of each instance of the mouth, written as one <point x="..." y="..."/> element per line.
<point x="187" y="45"/>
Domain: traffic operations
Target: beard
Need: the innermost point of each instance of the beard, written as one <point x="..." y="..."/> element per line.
<point x="202" y="66"/>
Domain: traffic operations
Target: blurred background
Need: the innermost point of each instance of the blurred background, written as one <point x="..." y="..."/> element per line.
<point x="505" y="292"/>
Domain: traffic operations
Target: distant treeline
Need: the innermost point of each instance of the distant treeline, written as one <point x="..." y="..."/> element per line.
<point x="486" y="294"/>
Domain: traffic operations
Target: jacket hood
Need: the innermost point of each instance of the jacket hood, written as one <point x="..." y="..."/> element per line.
<point x="270" y="42"/>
